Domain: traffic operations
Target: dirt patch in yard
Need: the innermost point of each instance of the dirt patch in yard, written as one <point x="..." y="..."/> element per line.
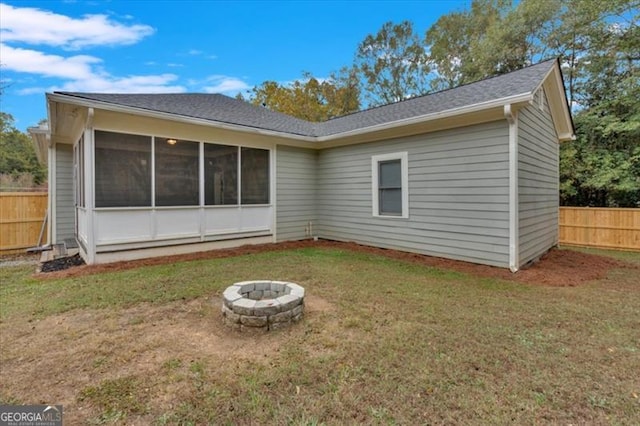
<point x="565" y="268"/>
<point x="54" y="358"/>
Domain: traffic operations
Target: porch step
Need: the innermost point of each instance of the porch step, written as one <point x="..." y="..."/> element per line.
<point x="67" y="249"/>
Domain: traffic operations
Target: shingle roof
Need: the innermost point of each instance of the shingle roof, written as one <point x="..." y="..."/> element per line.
<point x="206" y="106"/>
<point x="220" y="108"/>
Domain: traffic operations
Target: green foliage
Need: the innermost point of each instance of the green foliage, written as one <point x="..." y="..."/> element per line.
<point x="594" y="174"/>
<point x="309" y="98"/>
<point x="17" y="154"/>
<point x="602" y="167"/>
<point x="392" y="64"/>
<point x="454" y="40"/>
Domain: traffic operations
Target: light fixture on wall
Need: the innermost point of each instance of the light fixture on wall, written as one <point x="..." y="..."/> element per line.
<point x="172" y="141"/>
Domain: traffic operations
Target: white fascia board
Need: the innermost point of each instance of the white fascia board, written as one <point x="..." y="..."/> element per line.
<point x="558" y="85"/>
<point x="511" y="100"/>
<point x="496" y="103"/>
<point x="38" y="130"/>
<point x="564" y="137"/>
<point x="51" y="117"/>
<point x="173" y="117"/>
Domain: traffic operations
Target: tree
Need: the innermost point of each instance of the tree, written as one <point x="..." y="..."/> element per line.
<point x="392" y="64"/>
<point x="519" y="38"/>
<point x="310" y="98"/>
<point x="452" y="42"/>
<point x="493" y="37"/>
<point x="18" y="160"/>
<point x="602" y="167"/>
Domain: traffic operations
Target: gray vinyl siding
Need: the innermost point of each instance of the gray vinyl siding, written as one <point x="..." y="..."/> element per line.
<point x="458" y="195"/>
<point x="537" y="181"/>
<point x="295" y="192"/>
<point x="65" y="215"/>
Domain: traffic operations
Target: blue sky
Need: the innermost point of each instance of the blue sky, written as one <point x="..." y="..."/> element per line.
<point x="182" y="46"/>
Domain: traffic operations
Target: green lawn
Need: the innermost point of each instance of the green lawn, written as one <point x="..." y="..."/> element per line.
<point x="383" y="341"/>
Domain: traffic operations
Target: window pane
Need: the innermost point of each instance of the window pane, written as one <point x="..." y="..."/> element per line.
<point x="177" y="177"/>
<point x="391" y="201"/>
<point x="390" y="174"/>
<point x="123" y="170"/>
<point x="254" y="176"/>
<point x="220" y="174"/>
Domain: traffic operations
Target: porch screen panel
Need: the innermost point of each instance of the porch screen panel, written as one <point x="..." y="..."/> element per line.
<point x="177" y="177"/>
<point x="254" y="176"/>
<point x="123" y="170"/>
<point x="220" y="174"/>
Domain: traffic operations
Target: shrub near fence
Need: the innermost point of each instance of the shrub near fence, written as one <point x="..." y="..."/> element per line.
<point x="609" y="228"/>
<point x="21" y="216"/>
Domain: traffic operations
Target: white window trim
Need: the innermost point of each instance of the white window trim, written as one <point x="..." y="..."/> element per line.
<point x="404" y="168"/>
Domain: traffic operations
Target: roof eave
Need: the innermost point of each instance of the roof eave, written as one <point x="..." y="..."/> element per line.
<point x="90" y="103"/>
<point x="514" y="100"/>
<point x="522" y="98"/>
<point x="41" y="138"/>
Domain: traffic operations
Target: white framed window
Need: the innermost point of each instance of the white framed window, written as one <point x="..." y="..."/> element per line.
<point x="390" y="185"/>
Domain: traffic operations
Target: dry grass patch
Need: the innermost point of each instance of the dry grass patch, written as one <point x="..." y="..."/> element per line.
<point x="383" y="341"/>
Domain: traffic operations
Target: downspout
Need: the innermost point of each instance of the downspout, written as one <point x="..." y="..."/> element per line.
<point x="514" y="228"/>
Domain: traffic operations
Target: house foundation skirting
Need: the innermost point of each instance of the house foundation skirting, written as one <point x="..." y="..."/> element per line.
<point x="170" y="250"/>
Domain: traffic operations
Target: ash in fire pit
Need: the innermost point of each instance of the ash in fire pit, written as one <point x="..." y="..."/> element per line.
<point x="267" y="305"/>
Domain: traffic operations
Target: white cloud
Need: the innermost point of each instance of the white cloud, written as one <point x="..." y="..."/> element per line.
<point x="86" y="73"/>
<point x="162" y="83"/>
<point x="34" y="62"/>
<point x="225" y="84"/>
<point x="82" y="72"/>
<point x="36" y="26"/>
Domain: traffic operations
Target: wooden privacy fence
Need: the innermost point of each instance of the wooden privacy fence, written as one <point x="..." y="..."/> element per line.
<point x="609" y="228"/>
<point x="21" y="216"/>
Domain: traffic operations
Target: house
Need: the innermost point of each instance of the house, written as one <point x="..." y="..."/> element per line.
<point x="469" y="173"/>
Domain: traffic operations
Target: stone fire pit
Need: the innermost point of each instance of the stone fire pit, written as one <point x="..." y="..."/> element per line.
<point x="267" y="305"/>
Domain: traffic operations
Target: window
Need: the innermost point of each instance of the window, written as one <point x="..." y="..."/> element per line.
<point x="390" y="184"/>
<point x="254" y="176"/>
<point x="220" y="175"/>
<point x="177" y="172"/>
<point x="122" y="170"/>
